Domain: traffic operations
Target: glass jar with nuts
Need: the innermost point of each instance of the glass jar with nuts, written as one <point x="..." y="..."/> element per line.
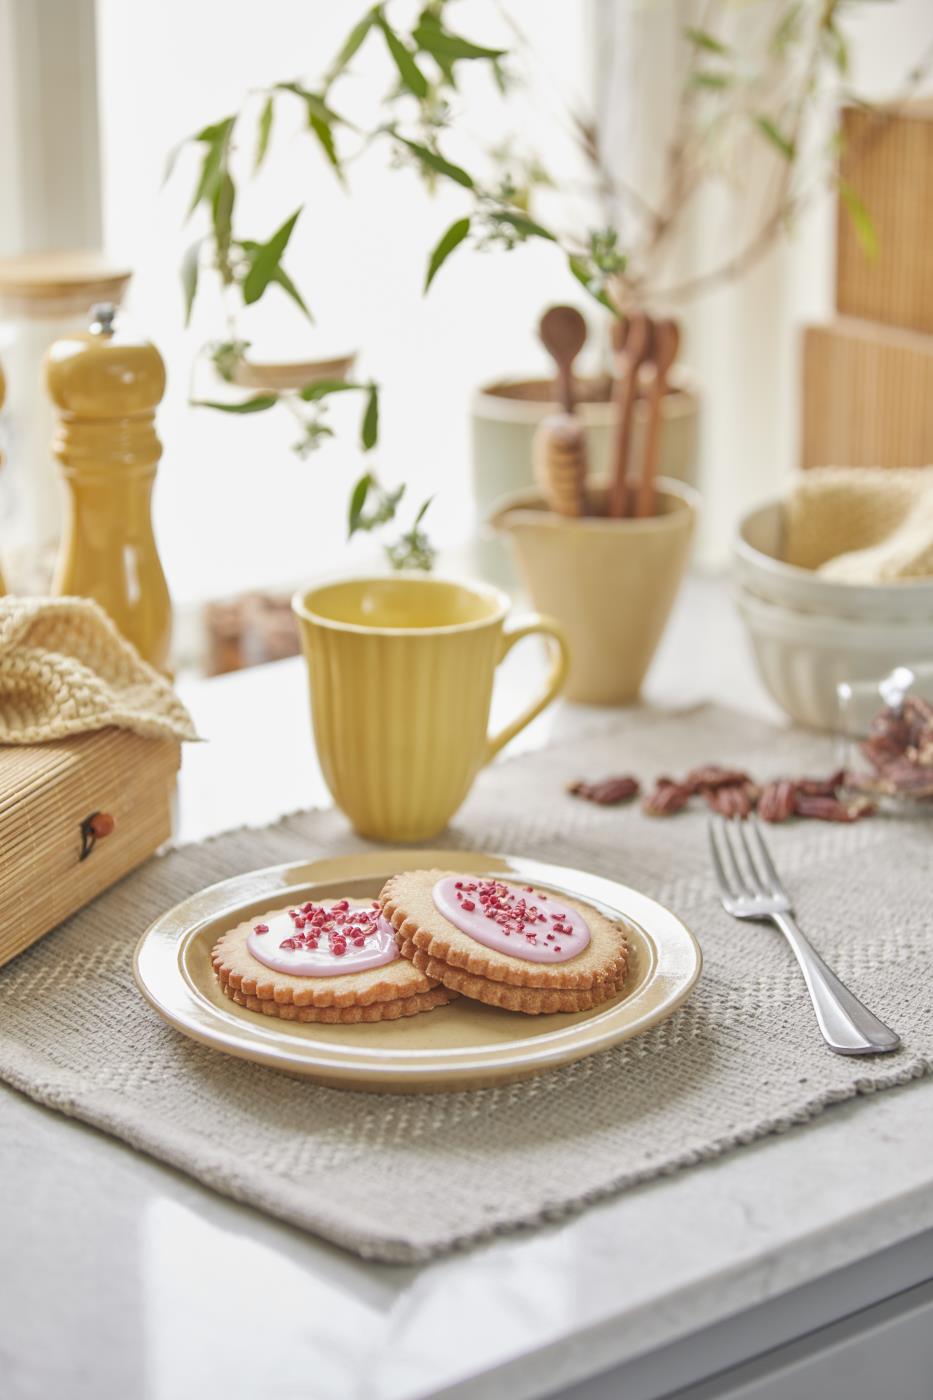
<point x="886" y="729"/>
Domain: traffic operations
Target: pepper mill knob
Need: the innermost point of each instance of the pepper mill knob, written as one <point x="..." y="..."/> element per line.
<point x="106" y="383"/>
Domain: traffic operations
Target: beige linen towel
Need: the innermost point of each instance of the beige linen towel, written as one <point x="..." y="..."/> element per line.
<point x="862" y="524"/>
<point x="65" y="669"/>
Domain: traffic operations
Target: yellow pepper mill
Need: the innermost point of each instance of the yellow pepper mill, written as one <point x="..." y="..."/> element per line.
<point x="106" y="384"/>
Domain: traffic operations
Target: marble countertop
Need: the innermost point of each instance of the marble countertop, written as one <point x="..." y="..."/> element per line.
<point x="121" y="1277"/>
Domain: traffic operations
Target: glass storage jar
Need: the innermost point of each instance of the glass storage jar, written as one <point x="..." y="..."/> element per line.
<point x="886" y="733"/>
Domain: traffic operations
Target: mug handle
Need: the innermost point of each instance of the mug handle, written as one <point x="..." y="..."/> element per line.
<point x="560" y="660"/>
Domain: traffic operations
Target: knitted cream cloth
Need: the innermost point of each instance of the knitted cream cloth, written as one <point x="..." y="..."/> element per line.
<point x="65" y="669"/>
<point x="862" y="524"/>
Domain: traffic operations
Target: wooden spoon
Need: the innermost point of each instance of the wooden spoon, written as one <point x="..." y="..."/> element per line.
<point x="664" y="353"/>
<point x="563" y="334"/>
<point x="632" y="343"/>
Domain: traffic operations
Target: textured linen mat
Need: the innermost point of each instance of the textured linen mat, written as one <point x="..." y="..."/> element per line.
<point x="405" y="1177"/>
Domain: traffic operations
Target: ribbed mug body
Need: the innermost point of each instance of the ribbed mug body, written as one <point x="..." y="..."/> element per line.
<point x="400" y="713"/>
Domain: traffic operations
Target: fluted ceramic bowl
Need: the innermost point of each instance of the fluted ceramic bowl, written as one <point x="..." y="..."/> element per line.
<point x="802" y="657"/>
<point x="759" y="569"/>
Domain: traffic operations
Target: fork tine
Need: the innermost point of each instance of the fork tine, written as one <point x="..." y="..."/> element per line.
<point x="718" y="866"/>
<point x="767" y="862"/>
<point x="759" y="885"/>
<point x="734" y="867"/>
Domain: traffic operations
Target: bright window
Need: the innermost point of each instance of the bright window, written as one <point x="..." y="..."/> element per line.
<point x="235" y="507"/>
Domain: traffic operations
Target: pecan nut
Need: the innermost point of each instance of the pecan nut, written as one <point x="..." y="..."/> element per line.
<point x="608" y="792"/>
<point x="667" y="798"/>
<point x="777" y="800"/>
<point x="731" y="799"/>
<point x="711" y="776"/>
<point x="822" y="787"/>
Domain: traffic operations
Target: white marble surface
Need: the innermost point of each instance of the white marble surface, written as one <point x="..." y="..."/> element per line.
<point x="120" y="1277"/>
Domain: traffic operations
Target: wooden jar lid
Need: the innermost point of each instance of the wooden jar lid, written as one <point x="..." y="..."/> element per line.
<point x="41" y="285"/>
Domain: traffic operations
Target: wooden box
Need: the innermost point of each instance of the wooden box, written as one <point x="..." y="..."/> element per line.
<point x="47" y="792"/>
<point x="867" y="396"/>
<point x="888" y="161"/>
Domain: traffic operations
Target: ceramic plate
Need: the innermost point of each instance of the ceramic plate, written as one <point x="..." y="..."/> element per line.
<point x="463" y="1045"/>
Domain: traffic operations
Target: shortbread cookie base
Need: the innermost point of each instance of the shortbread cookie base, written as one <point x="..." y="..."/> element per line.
<point x="533" y="1001"/>
<point x="236" y="967"/>
<point x="407" y="902"/>
<point x="392" y="1010"/>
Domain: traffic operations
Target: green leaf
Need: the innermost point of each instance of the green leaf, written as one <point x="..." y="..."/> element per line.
<point x="702" y="39"/>
<point x="440" y="43"/>
<point x="788" y="28"/>
<point x="717" y="81"/>
<point x="217" y="131"/>
<point x="358" y="504"/>
<point x="257" y="405"/>
<point x="314" y="104"/>
<point x="352" y="42"/>
<point x="321" y="388"/>
<point x="222" y="223"/>
<point x="281" y="278"/>
<point x="209" y="178"/>
<point x="422" y="512"/>
<point x="584" y="276"/>
<point x="408" y="70"/>
<point x="451" y="239"/>
<point x="265" y="264"/>
<point x="861" y="221"/>
<point x="780" y="142"/>
<point x="325" y="136"/>
<point x="369" y="434"/>
<point x="437" y="163"/>
<point x="522" y="223"/>
<point x="171" y="160"/>
<point x="264" y="131"/>
<point x="190" y="267"/>
<point x="321" y="120"/>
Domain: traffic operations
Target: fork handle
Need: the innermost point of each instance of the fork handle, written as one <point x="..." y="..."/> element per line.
<point x="848" y="1027"/>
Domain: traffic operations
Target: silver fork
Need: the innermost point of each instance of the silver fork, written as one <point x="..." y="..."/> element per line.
<point x="751" y="888"/>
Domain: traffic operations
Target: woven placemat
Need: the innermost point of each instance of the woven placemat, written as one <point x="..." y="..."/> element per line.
<point x="405" y="1177"/>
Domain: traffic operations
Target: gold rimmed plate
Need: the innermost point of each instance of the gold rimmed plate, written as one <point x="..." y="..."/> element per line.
<point x="461" y="1046"/>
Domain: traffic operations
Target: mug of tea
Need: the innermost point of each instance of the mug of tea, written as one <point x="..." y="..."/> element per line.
<point x="401" y="672"/>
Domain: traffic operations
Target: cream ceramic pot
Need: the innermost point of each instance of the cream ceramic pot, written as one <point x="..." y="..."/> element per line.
<point x="505" y="414"/>
<point x="609" y="583"/>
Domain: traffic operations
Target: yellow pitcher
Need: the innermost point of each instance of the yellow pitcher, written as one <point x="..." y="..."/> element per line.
<point x="401" y="671"/>
<point x="106" y="384"/>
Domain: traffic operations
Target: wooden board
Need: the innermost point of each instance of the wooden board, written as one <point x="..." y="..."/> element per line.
<point x="888" y="160"/>
<point x="867" y="396"/>
<point x="46" y="791"/>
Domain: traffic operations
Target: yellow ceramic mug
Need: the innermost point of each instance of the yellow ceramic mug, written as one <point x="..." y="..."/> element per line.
<point x="401" y="673"/>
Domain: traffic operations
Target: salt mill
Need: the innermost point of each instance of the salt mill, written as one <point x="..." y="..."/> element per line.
<point x="106" y="384"/>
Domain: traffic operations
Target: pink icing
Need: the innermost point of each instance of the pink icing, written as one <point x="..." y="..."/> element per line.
<point x="323" y="940"/>
<point x="512" y="919"/>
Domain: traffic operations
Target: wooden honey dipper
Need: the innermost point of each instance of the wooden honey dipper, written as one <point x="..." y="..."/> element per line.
<point x="560" y="440"/>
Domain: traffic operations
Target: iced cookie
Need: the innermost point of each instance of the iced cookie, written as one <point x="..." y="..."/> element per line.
<point x="506" y="944"/>
<point x="335" y="962"/>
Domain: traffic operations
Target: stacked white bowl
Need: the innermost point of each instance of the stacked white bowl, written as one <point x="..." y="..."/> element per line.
<point x="809" y="633"/>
